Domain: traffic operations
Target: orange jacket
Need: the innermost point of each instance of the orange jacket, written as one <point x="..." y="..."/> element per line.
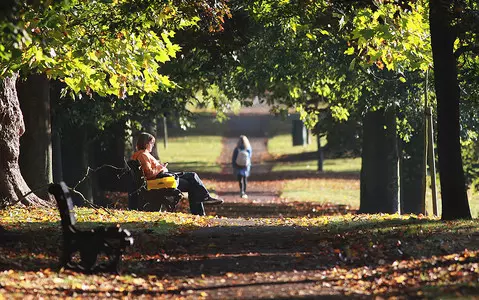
<point x="151" y="167"/>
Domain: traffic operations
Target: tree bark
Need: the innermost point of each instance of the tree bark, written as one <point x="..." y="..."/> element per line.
<point x="413" y="172"/>
<point x="453" y="186"/>
<point x="13" y="187"/>
<point x="57" y="156"/>
<point x="36" y="144"/>
<point x="379" y="165"/>
<point x="110" y="150"/>
<point x="320" y="153"/>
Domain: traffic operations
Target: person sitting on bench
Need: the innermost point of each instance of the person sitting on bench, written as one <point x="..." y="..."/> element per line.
<point x="190" y="182"/>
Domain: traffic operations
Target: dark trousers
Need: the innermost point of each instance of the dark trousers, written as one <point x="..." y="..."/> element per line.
<point x="243" y="181"/>
<point x="191" y="183"/>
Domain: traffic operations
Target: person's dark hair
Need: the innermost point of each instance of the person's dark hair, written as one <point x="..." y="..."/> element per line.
<point x="143" y="140"/>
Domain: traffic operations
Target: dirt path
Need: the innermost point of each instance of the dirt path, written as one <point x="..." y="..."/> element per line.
<point x="255" y="127"/>
<point x="243" y="256"/>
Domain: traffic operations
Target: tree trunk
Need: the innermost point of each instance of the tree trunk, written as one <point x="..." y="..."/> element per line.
<point x="150" y="126"/>
<point x="75" y="154"/>
<point x="57" y="156"/>
<point x="453" y="187"/>
<point x="35" y="145"/>
<point x="320" y="153"/>
<point x="110" y="150"/>
<point x="379" y="166"/>
<point x="12" y="185"/>
<point x="413" y="172"/>
<point x="57" y="160"/>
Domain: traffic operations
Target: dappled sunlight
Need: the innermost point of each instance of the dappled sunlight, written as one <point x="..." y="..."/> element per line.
<point x="360" y="255"/>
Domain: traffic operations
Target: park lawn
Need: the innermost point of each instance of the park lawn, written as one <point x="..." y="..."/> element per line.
<point x="195" y="149"/>
<point x="334" y="165"/>
<point x="192" y="153"/>
<point x="323" y="190"/>
<point x="365" y="255"/>
<point x="334" y="191"/>
<point x="282" y="144"/>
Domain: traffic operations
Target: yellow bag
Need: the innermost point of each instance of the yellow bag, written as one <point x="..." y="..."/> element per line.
<point x="168" y="182"/>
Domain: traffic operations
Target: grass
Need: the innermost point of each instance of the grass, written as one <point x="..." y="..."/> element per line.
<point x="335" y="165"/>
<point x="194" y="149"/>
<point x="474" y="204"/>
<point x="192" y="153"/>
<point x="331" y="190"/>
<point x="337" y="191"/>
<point x="283" y="145"/>
<point x="472" y="196"/>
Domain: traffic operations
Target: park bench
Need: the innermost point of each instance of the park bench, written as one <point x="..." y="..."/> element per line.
<point x="81" y="249"/>
<point x="151" y="195"/>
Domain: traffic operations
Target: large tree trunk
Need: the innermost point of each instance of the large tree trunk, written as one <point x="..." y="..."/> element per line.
<point x="453" y="186"/>
<point x="12" y="185"/>
<point x="35" y="145"/>
<point x="379" y="165"/>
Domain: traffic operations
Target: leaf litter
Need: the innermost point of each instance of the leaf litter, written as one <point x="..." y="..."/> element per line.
<point x="180" y="255"/>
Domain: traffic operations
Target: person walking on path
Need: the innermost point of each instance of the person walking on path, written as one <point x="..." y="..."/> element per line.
<point x="190" y="182"/>
<point x="241" y="162"/>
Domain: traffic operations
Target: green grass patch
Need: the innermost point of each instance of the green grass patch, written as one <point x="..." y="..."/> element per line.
<point x="193" y="153"/>
<point x="336" y="165"/>
<point x="332" y="190"/>
<point x="473" y="198"/>
<point x="194" y="149"/>
<point x="283" y="145"/>
<point x="474" y="204"/>
<point x="322" y="190"/>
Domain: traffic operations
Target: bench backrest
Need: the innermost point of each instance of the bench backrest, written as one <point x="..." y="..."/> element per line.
<point x="137" y="175"/>
<point x="64" y="203"/>
<point x="136" y="184"/>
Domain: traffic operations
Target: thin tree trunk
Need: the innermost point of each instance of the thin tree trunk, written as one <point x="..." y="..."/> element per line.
<point x="57" y="154"/>
<point x="57" y="160"/>
<point x="320" y="153"/>
<point x="379" y="164"/>
<point x="35" y="145"/>
<point x="86" y="187"/>
<point x="453" y="187"/>
<point x="12" y="185"/>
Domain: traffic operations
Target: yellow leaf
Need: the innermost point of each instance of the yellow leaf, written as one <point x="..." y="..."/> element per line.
<point x="400" y="279"/>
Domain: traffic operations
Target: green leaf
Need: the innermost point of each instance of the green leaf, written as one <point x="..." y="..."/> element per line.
<point x="349" y="51"/>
